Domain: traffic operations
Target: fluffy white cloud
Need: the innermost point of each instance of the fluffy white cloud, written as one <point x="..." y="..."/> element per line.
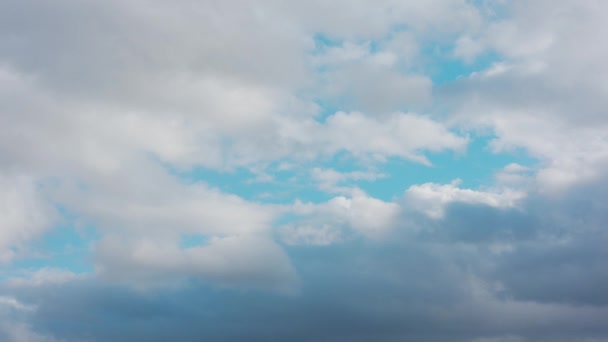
<point x="547" y="94"/>
<point x="150" y="202"/>
<point x="336" y="219"/>
<point x="403" y="135"/>
<point x="514" y="175"/>
<point x="432" y="198"/>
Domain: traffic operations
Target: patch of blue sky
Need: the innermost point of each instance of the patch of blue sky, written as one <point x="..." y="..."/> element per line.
<point x="438" y="60"/>
<point x="193" y="240"/>
<point x="475" y="168"/>
<point x="322" y="41"/>
<point x="328" y="107"/>
<point x="67" y="246"/>
<point x="64" y="247"/>
<point x="442" y="66"/>
<point x="284" y="187"/>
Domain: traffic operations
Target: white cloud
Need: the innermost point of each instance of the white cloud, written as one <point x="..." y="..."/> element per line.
<point x="106" y="104"/>
<point x="330" y="179"/>
<point x="100" y="122"/>
<point x="102" y="162"/>
<point x="432" y="198"/>
<point x="467" y="49"/>
<point x="514" y="175"/>
<point x="340" y="217"/>
<point x="373" y="81"/>
<point x="44" y="277"/>
<point x="569" y="155"/>
<point x="547" y="95"/>
<point x="156" y="203"/>
<point x="403" y="135"/>
<point x="373" y="19"/>
<point x="24" y="214"/>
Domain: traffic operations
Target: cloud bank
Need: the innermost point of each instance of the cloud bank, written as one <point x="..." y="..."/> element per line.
<point x="283" y="170"/>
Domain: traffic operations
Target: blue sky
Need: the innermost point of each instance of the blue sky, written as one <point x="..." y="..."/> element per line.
<point x="303" y="171"/>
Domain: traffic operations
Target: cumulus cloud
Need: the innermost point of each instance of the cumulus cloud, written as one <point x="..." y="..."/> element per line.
<point x="338" y="218"/>
<point x="218" y="151"/>
<point x="400" y="134"/>
<point x="546" y="94"/>
<point x="431" y="199"/>
<point x="103" y="128"/>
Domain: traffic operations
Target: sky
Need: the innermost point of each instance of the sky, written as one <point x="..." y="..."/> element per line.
<point x="345" y="170"/>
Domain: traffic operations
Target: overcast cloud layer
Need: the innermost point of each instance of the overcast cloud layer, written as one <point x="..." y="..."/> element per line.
<point x="382" y="170"/>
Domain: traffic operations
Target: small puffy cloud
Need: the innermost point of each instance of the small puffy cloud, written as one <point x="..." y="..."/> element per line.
<point x="339" y="218"/>
<point x="432" y="198"/>
<point x="514" y="175"/>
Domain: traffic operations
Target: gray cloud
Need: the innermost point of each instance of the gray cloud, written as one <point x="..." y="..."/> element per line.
<point x="506" y="273"/>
